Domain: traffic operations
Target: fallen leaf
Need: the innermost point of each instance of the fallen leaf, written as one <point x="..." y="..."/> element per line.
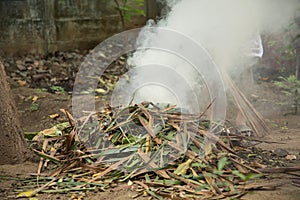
<point x="101" y="91"/>
<point x="35" y="98"/>
<point x="130" y="183"/>
<point x="25" y="194"/>
<point x="54" y="116"/>
<point x="181" y="169"/>
<point x="258" y="165"/>
<point x="22" y="83"/>
<point x="291" y="157"/>
<point x="50" y="132"/>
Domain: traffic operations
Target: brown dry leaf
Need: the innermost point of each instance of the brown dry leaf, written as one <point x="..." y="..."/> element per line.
<point x="42" y="154"/>
<point x="264" y="185"/>
<point x="194" y="172"/>
<point x="238" y="148"/>
<point x="174" y="125"/>
<point x="245" y="166"/>
<point x="264" y="78"/>
<point x="69" y="116"/>
<point x="146" y="187"/>
<point x="186" y="181"/>
<point x="110" y="168"/>
<point x="49" y="132"/>
<point x="211" y="183"/>
<point x="22" y="83"/>
<point x="149" y="129"/>
<point x="168" y="108"/>
<point x="69" y="140"/>
<point x="240" y="168"/>
<point x="258" y="165"/>
<point x="146" y="159"/>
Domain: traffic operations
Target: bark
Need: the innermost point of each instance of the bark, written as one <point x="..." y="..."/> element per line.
<point x="297" y="44"/>
<point x="12" y="142"/>
<point x="151" y="9"/>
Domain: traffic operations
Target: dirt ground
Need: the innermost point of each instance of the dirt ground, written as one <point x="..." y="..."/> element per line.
<point x="266" y="98"/>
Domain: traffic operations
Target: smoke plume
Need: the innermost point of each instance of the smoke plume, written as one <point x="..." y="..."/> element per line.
<point x="229" y="30"/>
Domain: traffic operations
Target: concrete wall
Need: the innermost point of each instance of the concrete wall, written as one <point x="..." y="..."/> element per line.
<point x="41" y="26"/>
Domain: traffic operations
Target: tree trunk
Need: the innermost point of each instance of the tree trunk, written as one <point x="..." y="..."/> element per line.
<point x="12" y="142"/>
<point x="151" y="9"/>
<point x="297" y="106"/>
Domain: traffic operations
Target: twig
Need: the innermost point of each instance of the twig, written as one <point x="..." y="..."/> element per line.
<point x="279" y="170"/>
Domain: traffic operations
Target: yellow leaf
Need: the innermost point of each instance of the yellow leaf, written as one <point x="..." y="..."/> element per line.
<point x="35" y="98"/>
<point x="101" y="91"/>
<point x="181" y="169"/>
<point x="54" y="116"/>
<point x="52" y="149"/>
<point x="130" y="183"/>
<point x="25" y="194"/>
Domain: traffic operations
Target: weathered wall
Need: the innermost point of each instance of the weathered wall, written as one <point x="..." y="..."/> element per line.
<point x="41" y="26"/>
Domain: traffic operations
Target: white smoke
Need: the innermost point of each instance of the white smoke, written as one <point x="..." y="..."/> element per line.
<point x="228" y="29"/>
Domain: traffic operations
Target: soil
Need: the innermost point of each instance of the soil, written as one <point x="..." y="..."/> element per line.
<point x="36" y="106"/>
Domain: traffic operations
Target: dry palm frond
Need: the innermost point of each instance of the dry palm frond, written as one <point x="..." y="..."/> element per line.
<point x="252" y="116"/>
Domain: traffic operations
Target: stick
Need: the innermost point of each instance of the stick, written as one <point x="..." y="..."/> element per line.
<point x="255" y="119"/>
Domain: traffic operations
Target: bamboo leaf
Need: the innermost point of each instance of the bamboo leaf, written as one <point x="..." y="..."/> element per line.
<point x="25" y="194"/>
<point x="183" y="167"/>
<point x="222" y="162"/>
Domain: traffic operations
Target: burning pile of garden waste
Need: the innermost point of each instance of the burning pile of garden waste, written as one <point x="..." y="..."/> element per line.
<point x="175" y="156"/>
<point x="157" y="149"/>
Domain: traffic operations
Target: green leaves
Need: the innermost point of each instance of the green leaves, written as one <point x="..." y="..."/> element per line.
<point x="34" y="106"/>
<point x="246" y="177"/>
<point x="128" y="9"/>
<point x="290" y="87"/>
<point x="58" y="89"/>
<point x="222" y="162"/>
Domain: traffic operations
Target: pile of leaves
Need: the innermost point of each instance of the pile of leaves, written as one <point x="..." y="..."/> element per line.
<point x="157" y="151"/>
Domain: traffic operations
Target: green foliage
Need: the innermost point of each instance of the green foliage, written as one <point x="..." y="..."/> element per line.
<point x="283" y="49"/>
<point x="30" y="135"/>
<point x="222" y="162"/>
<point x="289" y="84"/>
<point x="58" y="89"/>
<point x="40" y="90"/>
<point x="129" y="8"/>
<point x="290" y="87"/>
<point x="297" y="37"/>
<point x="246" y="177"/>
<point x="284" y="54"/>
<point x="34" y="106"/>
